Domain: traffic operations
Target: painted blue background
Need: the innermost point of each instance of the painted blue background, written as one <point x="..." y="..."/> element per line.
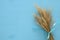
<point x="17" y="21"/>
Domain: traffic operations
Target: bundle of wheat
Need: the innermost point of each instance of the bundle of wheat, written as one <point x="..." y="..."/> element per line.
<point x="44" y="19"/>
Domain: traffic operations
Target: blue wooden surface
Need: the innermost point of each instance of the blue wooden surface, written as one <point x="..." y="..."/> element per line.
<point x="17" y="21"/>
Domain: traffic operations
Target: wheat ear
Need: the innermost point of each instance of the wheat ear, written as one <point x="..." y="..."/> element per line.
<point x="44" y="19"/>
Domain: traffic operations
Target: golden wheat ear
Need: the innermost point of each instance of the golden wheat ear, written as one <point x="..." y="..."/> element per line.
<point x="44" y="19"/>
<point x="44" y="16"/>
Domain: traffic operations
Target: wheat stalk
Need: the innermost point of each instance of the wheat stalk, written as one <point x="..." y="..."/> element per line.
<point x="44" y="19"/>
